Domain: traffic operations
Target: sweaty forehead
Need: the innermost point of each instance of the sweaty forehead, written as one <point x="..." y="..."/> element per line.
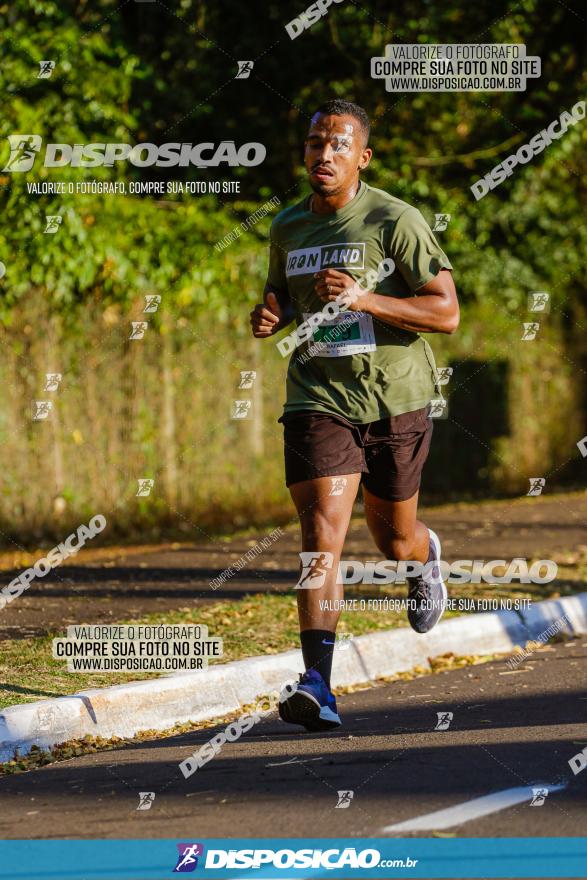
<point x="324" y="126"/>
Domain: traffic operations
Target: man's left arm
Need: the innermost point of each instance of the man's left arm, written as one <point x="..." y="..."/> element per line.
<point x="433" y="307"/>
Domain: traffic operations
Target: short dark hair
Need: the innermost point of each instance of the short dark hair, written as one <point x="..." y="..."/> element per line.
<point x="338" y="107"/>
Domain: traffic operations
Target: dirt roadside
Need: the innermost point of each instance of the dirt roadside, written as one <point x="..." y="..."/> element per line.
<point x="112" y="584"/>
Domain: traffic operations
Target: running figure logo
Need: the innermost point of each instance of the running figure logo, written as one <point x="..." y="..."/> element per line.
<point x="539" y="795"/>
<point x="146" y="799"/>
<point x="244" y="69"/>
<point x="23" y="151"/>
<point x="530" y="331"/>
<point x="343" y="641"/>
<point x="152" y="302"/>
<point x="441" y="222"/>
<point x="344" y="800"/>
<point x="247" y="378"/>
<point x="240" y="409"/>
<point x="444" y="374"/>
<point x="538" y="302"/>
<point x="46" y="68"/>
<point x="52" y="223"/>
<point x="343" y="143"/>
<point x="338" y="485"/>
<point x="187" y="860"/>
<point x="145" y="486"/>
<point x="315" y="566"/>
<point x="41" y="409"/>
<point x="444" y="719"/>
<point x="537" y="484"/>
<point x="46" y="718"/>
<point x="438" y="408"/>
<point x="52" y="381"/>
<point x="138" y="329"/>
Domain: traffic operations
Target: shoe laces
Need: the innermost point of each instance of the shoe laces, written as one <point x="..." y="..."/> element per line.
<point x="305" y="676"/>
<point x="419" y="589"/>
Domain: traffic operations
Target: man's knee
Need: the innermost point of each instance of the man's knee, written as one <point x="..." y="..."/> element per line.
<point x="319" y="532"/>
<point x="397" y="547"/>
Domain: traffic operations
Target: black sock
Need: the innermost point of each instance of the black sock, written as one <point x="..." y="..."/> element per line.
<point x="318" y="648"/>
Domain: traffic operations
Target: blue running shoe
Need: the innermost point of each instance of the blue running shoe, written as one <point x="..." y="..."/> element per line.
<point x="427" y="593"/>
<point x="309" y="703"/>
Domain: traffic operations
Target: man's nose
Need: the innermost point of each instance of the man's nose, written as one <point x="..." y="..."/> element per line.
<point x="327" y="152"/>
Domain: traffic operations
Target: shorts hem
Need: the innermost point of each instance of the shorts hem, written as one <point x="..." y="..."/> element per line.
<point x="335" y="472"/>
<point x="390" y="495"/>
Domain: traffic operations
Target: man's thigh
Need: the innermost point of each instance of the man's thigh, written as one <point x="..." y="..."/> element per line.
<point x="396" y="449"/>
<point x="321" y="445"/>
<point x="325" y="509"/>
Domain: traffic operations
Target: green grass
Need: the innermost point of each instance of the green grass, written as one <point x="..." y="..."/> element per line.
<point x="257" y="625"/>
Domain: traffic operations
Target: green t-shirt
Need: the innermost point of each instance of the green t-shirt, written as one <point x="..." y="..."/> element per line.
<point x="365" y="369"/>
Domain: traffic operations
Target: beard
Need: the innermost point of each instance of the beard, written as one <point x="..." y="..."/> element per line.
<point x="324" y="189"/>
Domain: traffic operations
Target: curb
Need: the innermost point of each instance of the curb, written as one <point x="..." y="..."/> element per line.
<point x="159" y="704"/>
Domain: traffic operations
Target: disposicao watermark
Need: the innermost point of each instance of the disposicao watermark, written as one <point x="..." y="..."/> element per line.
<point x="461" y="571"/>
<point x="234" y="731"/>
<point x="308" y="17"/>
<point x="54" y="557"/>
<point x="526" y="152"/>
<point x="246" y="557"/>
<point x="24" y="149"/>
<point x="315" y="565"/>
<point x="331" y="310"/>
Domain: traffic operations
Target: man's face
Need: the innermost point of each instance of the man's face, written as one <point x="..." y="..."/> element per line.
<point x="334" y="153"/>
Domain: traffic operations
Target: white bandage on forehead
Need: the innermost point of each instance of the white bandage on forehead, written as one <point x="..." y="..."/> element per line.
<point x="341" y="143"/>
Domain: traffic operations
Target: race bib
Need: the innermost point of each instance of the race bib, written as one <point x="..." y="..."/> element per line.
<point x="346" y="334"/>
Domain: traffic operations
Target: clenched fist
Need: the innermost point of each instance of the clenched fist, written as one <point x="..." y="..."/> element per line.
<point x="265" y="318"/>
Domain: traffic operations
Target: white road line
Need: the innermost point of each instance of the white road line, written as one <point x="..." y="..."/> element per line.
<point x="295" y="760"/>
<point x="475" y="809"/>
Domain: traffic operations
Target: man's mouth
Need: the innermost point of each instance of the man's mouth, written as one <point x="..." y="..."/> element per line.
<point x="321" y="172"/>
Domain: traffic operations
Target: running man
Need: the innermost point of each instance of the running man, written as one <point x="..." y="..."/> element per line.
<point x="358" y="394"/>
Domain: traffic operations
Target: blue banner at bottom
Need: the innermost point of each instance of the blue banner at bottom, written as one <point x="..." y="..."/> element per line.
<point x="515" y="857"/>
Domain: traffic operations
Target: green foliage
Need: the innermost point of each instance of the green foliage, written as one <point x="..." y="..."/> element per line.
<point x="153" y="72"/>
<point x="157" y="72"/>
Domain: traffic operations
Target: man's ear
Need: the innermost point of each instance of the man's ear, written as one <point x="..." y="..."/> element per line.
<point x="365" y="158"/>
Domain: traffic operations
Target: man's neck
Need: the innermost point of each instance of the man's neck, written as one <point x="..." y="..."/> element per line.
<point x="329" y="204"/>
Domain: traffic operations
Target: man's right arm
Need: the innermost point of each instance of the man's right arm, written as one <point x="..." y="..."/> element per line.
<point x="276" y="311"/>
<point x="273" y="314"/>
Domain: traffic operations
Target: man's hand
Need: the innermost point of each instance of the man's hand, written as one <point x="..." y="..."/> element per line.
<point x="330" y="284"/>
<point x="265" y="318"/>
<point x="433" y="307"/>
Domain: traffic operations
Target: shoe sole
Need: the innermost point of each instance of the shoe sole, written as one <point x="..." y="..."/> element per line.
<point x="302" y="708"/>
<point x="438" y="550"/>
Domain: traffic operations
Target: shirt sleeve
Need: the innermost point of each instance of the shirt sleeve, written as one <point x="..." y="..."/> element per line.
<point x="276" y="276"/>
<point x="415" y="251"/>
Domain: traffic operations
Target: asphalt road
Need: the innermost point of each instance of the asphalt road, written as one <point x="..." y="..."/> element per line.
<point x="120" y="584"/>
<point x="510" y="730"/>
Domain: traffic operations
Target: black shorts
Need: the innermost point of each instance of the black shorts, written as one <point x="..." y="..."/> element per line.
<point x="389" y="453"/>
